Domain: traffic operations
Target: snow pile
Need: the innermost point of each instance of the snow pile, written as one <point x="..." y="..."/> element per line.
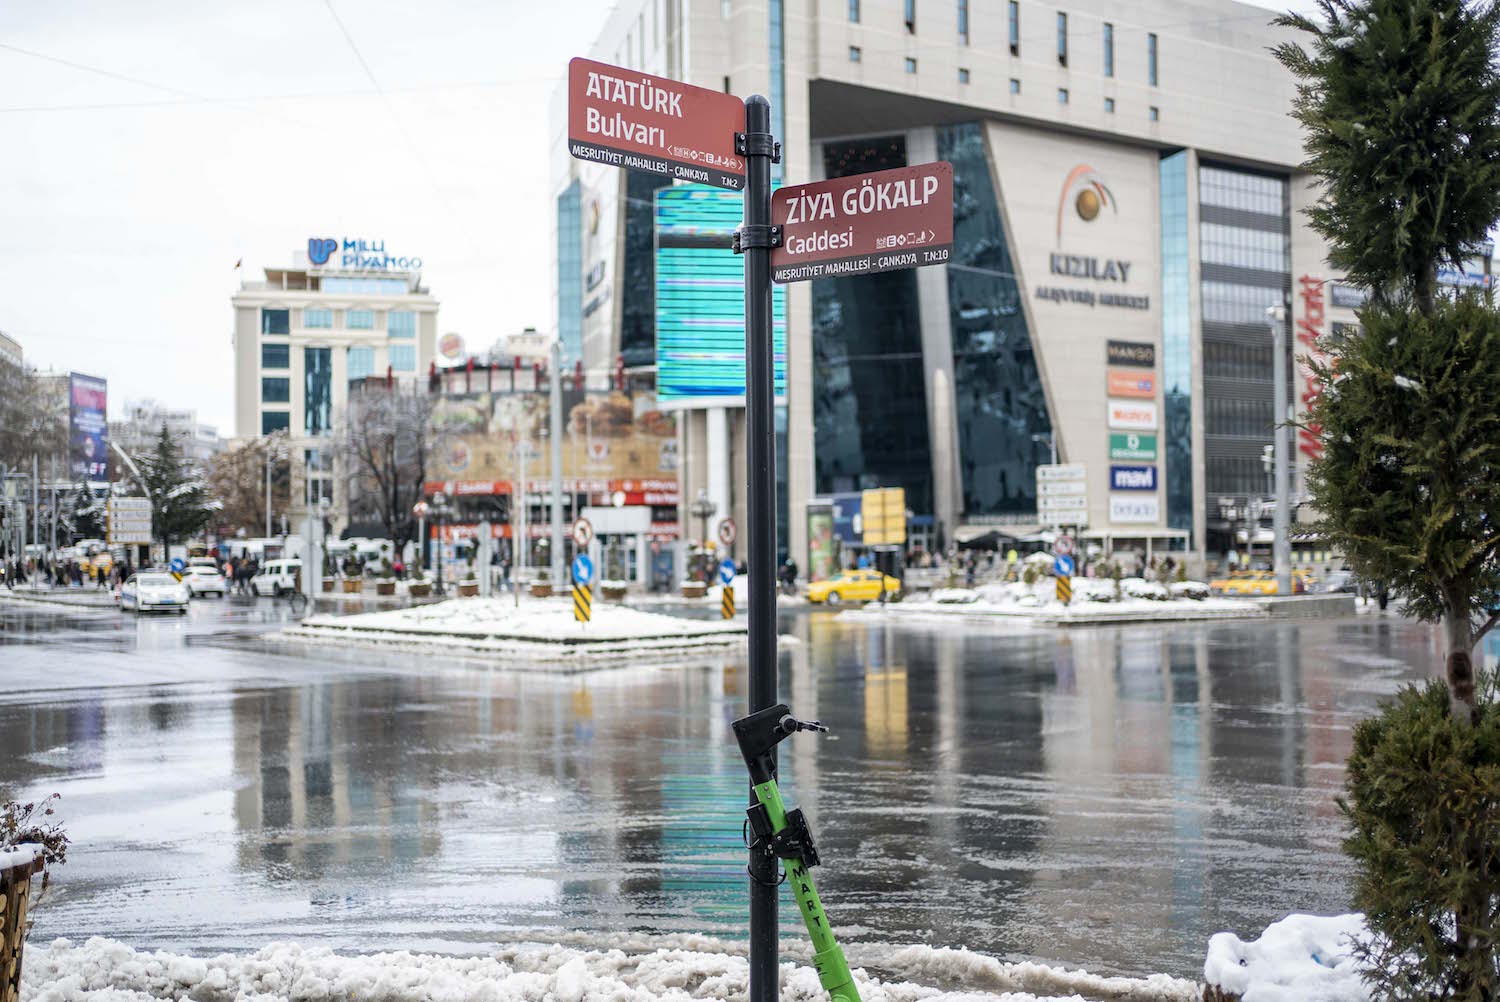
<point x="955" y="596"/>
<point x="1094" y="600"/>
<point x="103" y="970"/>
<point x="533" y="628"/>
<point x="1302" y="958"/>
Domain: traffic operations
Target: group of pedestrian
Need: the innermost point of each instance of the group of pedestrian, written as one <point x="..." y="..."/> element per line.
<point x="239" y="570"/>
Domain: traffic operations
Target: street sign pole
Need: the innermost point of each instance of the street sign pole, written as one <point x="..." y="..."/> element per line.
<point x="755" y="241"/>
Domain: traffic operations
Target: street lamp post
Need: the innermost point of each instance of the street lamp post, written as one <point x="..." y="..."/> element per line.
<point x="1281" y="553"/>
<point x="1050" y="437"/>
<point x="420" y="510"/>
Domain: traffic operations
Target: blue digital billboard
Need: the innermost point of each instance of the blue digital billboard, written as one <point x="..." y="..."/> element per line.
<point x="700" y="301"/>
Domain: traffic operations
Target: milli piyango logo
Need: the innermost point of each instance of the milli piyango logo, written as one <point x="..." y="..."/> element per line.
<point x="1088" y="194"/>
<point x="320" y="249"/>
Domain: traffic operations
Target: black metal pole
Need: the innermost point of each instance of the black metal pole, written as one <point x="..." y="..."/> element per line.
<point x="760" y="504"/>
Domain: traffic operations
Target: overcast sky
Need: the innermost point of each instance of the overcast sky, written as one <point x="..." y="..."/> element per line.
<point x="148" y="145"/>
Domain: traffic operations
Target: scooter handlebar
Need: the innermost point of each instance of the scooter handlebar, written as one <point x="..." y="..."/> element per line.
<point x="791" y="725"/>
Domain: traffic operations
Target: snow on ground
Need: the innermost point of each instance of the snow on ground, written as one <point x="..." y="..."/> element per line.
<point x="1094" y="600"/>
<point x="533" y="630"/>
<point x="104" y="970"/>
<point x="1302" y="958"/>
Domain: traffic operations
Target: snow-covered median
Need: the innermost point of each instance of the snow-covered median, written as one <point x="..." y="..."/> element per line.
<point x="1095" y="600"/>
<point x="103" y="970"/>
<point x="536" y="630"/>
<point x="1302" y="958"/>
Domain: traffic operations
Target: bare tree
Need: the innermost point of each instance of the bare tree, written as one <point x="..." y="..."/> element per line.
<point x="385" y="441"/>
<point x="237" y="477"/>
<point x="33" y="421"/>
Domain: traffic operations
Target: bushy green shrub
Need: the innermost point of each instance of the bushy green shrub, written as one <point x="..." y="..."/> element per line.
<point x="1424" y="807"/>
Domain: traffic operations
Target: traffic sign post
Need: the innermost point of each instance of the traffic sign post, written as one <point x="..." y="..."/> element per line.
<point x="583" y="533"/>
<point x="177" y="566"/>
<point x="726" y="578"/>
<point x="583" y="593"/>
<point x="1064" y="589"/>
<point x="1064" y="546"/>
<point x="1062" y="565"/>
<point x="727" y="531"/>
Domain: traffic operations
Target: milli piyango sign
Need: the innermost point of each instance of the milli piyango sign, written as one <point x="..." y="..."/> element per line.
<point x="621" y="118"/>
<point x="859" y="225"/>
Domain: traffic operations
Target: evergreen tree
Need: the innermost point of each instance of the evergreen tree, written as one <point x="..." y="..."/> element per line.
<point x="86" y="518"/>
<point x="181" y="505"/>
<point x="1401" y="103"/>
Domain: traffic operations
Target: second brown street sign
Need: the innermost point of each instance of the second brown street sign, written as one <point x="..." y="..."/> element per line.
<point x="867" y="223"/>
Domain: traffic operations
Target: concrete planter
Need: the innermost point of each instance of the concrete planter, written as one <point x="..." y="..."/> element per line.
<point x="385" y="587"/>
<point x="16" y="868"/>
<point x="468" y="589"/>
<point x="613" y="594"/>
<point x="328" y="584"/>
<point x="694" y="589"/>
<point x="419" y="589"/>
<point x="541" y="589"/>
<point x="352" y="586"/>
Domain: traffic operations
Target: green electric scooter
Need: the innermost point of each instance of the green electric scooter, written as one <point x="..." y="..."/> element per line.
<point x="784" y="834"/>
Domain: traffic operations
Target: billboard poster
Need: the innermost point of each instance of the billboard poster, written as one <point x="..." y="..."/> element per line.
<point x="821" y="558"/>
<point x="611" y="441"/>
<point x="88" y="427"/>
<point x="700" y="301"/>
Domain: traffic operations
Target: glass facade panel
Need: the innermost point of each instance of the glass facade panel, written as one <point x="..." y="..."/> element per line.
<point x="1062" y="39"/>
<point x="853" y="11"/>
<point x="317" y="319"/>
<point x="1176" y="341"/>
<point x="963" y="21"/>
<point x="367" y="286"/>
<point x="271" y="421"/>
<point x="869" y="401"/>
<point x="317" y="397"/>
<point x="1151" y="59"/>
<point x="360" y="320"/>
<point x="403" y="357"/>
<point x="400" y="323"/>
<point x="275" y="356"/>
<point x="998" y="396"/>
<point x="1109" y="49"/>
<point x="275" y="389"/>
<point x="1015" y="28"/>
<point x="909" y="12"/>
<point x="1245" y="240"/>
<point x="776" y="9"/>
<point x="360" y="363"/>
<point x="275" y="321"/>
<point x="638" y="267"/>
<point x="570" y="273"/>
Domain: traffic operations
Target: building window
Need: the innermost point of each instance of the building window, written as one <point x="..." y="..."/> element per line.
<point x="726" y="85"/>
<point x="1155" y="113"/>
<point x="724" y="9"/>
<point x="911" y="65"/>
<point x="360" y="320"/>
<point x="317" y="393"/>
<point x="401" y="323"/>
<point x="272" y="421"/>
<point x="909" y="12"/>
<point x="275" y="356"/>
<point x="1015" y="27"/>
<point x="1151" y="59"/>
<point x="1062" y="95"/>
<point x="853" y="11"/>
<point x="854" y="53"/>
<point x="1176" y="343"/>
<point x="963" y="22"/>
<point x="1015" y="86"/>
<point x="360" y="363"/>
<point x="275" y="390"/>
<point x="963" y="75"/>
<point x="317" y="319"/>
<point x="1109" y="106"/>
<point x="1062" y="39"/>
<point x="403" y="357"/>
<point x="1109" y="49"/>
<point x="318" y="466"/>
<point x="275" y="321"/>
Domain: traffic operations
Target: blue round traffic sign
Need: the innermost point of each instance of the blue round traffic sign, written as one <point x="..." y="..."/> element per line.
<point x="583" y="569"/>
<point x="178" y="565"/>
<point x="1063" y="565"/>
<point x="726" y="571"/>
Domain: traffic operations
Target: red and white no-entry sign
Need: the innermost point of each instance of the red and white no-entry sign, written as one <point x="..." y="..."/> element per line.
<point x="728" y="532"/>
<point x="583" y="533"/>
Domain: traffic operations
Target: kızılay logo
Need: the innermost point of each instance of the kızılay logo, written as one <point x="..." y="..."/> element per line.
<point x="320" y="249"/>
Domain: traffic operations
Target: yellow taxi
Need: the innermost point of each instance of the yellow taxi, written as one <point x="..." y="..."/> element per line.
<point x="852" y="586"/>
<point x="1257" y="583"/>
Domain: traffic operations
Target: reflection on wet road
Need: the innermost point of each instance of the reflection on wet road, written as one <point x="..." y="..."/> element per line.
<point x="1102" y="797"/>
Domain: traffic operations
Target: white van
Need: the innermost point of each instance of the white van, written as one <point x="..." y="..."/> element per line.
<point x="276" y="578"/>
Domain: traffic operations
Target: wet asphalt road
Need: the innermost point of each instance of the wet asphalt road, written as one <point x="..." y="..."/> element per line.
<point x="1105" y="797"/>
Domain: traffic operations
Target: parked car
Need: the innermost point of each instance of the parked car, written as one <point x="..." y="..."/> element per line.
<point x="852" y="586"/>
<point x="1258" y="583"/>
<point x="154" y="590"/>
<point x="276" y="578"/>
<point x="1340" y="583"/>
<point x="204" y="579"/>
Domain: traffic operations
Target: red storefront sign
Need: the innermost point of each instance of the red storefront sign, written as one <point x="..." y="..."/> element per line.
<point x="1309" y="329"/>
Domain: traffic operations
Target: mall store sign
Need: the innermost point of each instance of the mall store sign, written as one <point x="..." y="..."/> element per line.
<point x="1133" y="414"/>
<point x="1132" y="446"/>
<point x="1134" y="509"/>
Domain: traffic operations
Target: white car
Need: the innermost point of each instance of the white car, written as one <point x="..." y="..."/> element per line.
<point x="154" y="590"/>
<point x="204" y="579"/>
<point x="276" y="578"/>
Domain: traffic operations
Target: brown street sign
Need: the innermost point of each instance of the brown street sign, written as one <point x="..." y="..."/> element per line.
<point x="621" y="118"/>
<point x="859" y="225"/>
